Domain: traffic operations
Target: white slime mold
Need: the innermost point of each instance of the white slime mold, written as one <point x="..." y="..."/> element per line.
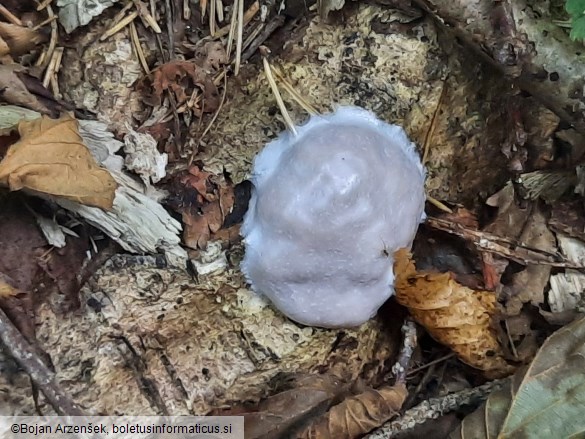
<point x="329" y="207"/>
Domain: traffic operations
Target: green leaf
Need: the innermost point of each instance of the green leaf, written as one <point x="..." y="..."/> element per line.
<point x="578" y="30"/>
<point x="575" y="7"/>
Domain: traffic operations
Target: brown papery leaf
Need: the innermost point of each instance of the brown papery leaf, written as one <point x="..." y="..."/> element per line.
<point x="180" y="78"/>
<point x="51" y="158"/>
<point x="280" y="415"/>
<point x="454" y="315"/>
<point x="19" y="39"/>
<point x="358" y="414"/>
<point x="14" y="90"/>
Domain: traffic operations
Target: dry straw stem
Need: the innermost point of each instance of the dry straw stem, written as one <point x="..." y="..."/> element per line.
<point x="438" y="204"/>
<point x="186" y="10"/>
<point x="248" y="15"/>
<point x="42" y="5"/>
<point x="288" y="121"/>
<point x="240" y="36"/>
<point x="138" y="48"/>
<point x="119" y="26"/>
<point x="146" y="17"/>
<point x="9" y="16"/>
<point x="53" y="67"/>
<point x="219" y="7"/>
<point x="232" y="30"/>
<point x="293" y="93"/>
<point x="212" y="13"/>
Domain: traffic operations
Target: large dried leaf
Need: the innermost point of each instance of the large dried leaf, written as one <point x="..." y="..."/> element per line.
<point x="302" y="398"/>
<point x="20" y="88"/>
<point x="51" y="158"/>
<point x="359" y="414"/>
<point x="545" y="400"/>
<point x="454" y="315"/>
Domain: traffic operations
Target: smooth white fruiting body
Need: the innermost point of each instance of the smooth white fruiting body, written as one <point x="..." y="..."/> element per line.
<point x="329" y="208"/>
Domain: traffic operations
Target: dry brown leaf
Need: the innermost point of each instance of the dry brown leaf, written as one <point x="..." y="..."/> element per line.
<point x="358" y="414"/>
<point x="300" y="399"/>
<point x="19" y="88"/>
<point x="18" y="39"/>
<point x="454" y="315"/>
<point x="199" y="227"/>
<point x="198" y="180"/>
<point x="180" y="78"/>
<point x="50" y="158"/>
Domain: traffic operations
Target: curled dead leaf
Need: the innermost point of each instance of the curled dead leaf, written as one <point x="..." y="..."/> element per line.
<point x="454" y="315"/>
<point x="50" y="158"/>
<point x="358" y="414"/>
<point x="19" y="87"/>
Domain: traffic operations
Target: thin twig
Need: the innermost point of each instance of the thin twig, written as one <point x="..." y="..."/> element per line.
<point x="293" y="93"/>
<point x="212" y="6"/>
<point x="431" y="363"/>
<point x="24" y="354"/>
<point x="44" y="22"/>
<point x="219" y="8"/>
<point x="435" y="407"/>
<point x="400" y="368"/>
<point x="248" y="15"/>
<point x="42" y="5"/>
<point x="505" y="247"/>
<point x="288" y="121"/>
<point x="240" y="36"/>
<point x="138" y="48"/>
<point x="119" y="26"/>
<point x="258" y="40"/>
<point x="10" y="17"/>
<point x="232" y="29"/>
<point x="432" y="127"/>
<point x="438" y="204"/>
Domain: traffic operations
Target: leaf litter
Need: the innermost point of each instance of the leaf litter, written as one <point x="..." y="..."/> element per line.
<point x="525" y="251"/>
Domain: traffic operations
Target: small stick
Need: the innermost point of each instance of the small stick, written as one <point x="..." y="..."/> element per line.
<point x="45" y="22"/>
<point x="52" y="66"/>
<point x="212" y="6"/>
<point x="438" y="204"/>
<point x="42" y="5"/>
<point x="10" y="16"/>
<point x="400" y="369"/>
<point x="146" y="17"/>
<point x="294" y="94"/>
<point x="24" y="354"/>
<point x="121" y="25"/>
<point x="186" y="10"/>
<point x="203" y="8"/>
<point x="268" y="71"/>
<point x="435" y="407"/>
<point x="240" y="36"/>
<point x="219" y="8"/>
<point x="138" y="48"/>
<point x="248" y="15"/>
<point x="232" y="29"/>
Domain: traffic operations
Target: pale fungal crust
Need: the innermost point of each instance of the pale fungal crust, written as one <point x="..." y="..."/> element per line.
<point x="329" y="208"/>
<point x="147" y="335"/>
